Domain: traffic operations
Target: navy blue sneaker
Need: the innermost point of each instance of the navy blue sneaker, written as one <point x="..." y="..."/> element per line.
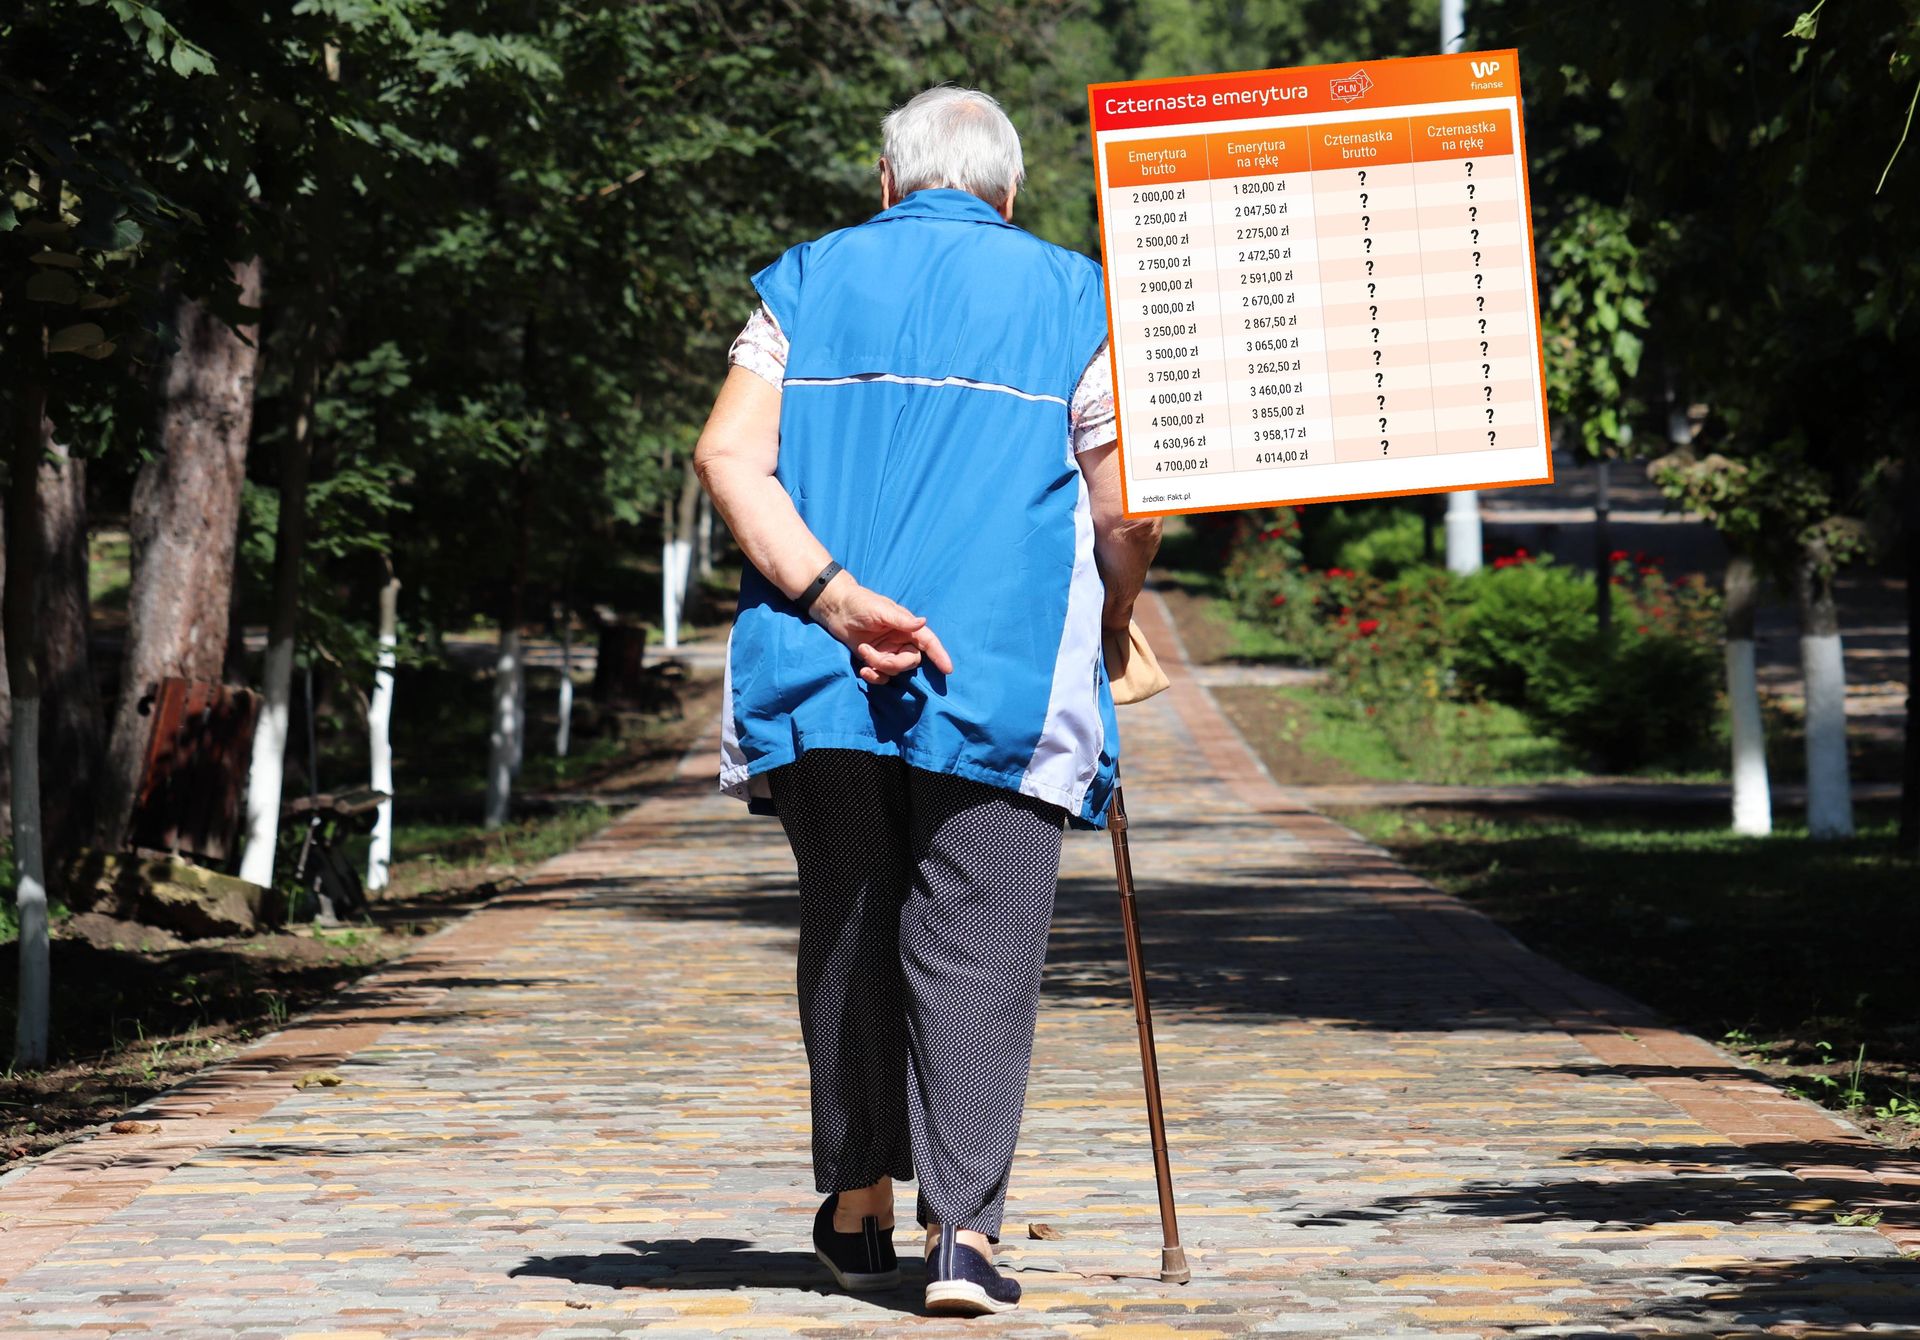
<point x="963" y="1283"/>
<point x="859" y="1261"/>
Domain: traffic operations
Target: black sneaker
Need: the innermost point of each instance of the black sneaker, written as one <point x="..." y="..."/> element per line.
<point x="963" y="1283"/>
<point x="859" y="1261"/>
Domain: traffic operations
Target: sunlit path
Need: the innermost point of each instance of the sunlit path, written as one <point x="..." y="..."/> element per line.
<point x="581" y="1112"/>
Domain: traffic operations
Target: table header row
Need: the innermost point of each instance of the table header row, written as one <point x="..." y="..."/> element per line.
<point x="1379" y="86"/>
<point x="1311" y="148"/>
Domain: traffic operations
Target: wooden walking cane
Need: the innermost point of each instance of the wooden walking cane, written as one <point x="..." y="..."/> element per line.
<point x="1141" y="678"/>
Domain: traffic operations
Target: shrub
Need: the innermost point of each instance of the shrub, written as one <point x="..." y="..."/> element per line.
<point x="1269" y="584"/>
<point x="1521" y="617"/>
<point x="1645" y="696"/>
<point x="1415" y="652"/>
<point x="1395" y="543"/>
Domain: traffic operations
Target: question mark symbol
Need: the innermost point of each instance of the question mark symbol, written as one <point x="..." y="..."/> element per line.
<point x="1376" y="358"/>
<point x="1383" y="401"/>
<point x="1363" y="199"/>
<point x="1476" y="258"/>
<point x="1469" y="190"/>
<point x="1383" y="425"/>
<point x="1369" y="267"/>
<point x="1373" y="309"/>
<point x="1479" y="281"/>
<point x="1371" y="288"/>
<point x="1368" y="242"/>
<point x="1483" y="348"/>
<point x="1469" y="167"/>
<point x="1376" y="334"/>
<point x="1383" y="446"/>
<point x="1483" y="325"/>
<point x="1489" y="416"/>
<point x="1486" y="370"/>
<point x="1363" y="176"/>
<point x="1489" y="393"/>
<point x="1476" y="237"/>
<point x="1483" y="303"/>
<point x="1366" y="222"/>
<point x="1473" y="213"/>
<point x="1489" y="437"/>
<point x="1379" y="378"/>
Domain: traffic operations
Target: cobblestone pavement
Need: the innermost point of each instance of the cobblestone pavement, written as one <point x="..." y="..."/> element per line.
<point x="581" y="1113"/>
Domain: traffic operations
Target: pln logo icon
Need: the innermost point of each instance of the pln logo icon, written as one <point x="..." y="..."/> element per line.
<point x="1352" y="87"/>
<point x="1483" y="68"/>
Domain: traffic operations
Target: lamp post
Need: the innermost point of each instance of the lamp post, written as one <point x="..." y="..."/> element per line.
<point x="1463" y="506"/>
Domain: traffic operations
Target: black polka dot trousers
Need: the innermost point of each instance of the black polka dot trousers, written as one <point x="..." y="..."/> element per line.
<point x="925" y="901"/>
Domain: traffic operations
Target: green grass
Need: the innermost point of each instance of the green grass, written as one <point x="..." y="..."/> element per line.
<point x="110" y="569"/>
<point x="1483" y="745"/>
<point x="1243" y="641"/>
<point x="1799" y="949"/>
<point x="526" y="841"/>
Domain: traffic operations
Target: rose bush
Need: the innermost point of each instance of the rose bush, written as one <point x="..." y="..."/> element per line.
<point x="1421" y="653"/>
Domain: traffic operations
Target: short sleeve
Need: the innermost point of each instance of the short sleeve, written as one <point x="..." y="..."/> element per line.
<point x="1091" y="413"/>
<point x="779" y="285"/>
<point x="761" y="347"/>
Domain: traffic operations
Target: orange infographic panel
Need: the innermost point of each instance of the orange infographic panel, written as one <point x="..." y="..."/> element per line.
<point x="1320" y="283"/>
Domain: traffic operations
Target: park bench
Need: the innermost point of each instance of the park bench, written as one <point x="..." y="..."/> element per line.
<point x="321" y="867"/>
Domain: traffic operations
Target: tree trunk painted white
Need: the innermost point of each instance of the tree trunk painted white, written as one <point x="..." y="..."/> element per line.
<point x="19" y="615"/>
<point x="266" y="771"/>
<point x="519" y="715"/>
<point x="703" y="539"/>
<point x="563" y="732"/>
<point x="1752" y="794"/>
<point x="380" y="735"/>
<point x="1463" y="532"/>
<point x="674" y="555"/>
<point x="268" y="768"/>
<point x="30" y="887"/>
<point x="676" y="559"/>
<point x="1822" y="667"/>
<point x="505" y="721"/>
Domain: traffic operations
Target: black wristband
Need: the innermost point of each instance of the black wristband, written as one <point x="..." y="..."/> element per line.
<point x="806" y="598"/>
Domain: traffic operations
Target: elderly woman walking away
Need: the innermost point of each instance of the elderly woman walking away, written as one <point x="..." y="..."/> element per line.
<point x="915" y="450"/>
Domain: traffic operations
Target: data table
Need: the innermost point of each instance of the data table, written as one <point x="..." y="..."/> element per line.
<point x="1320" y="283"/>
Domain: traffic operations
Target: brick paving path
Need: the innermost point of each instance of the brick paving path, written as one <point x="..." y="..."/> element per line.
<point x="581" y="1113"/>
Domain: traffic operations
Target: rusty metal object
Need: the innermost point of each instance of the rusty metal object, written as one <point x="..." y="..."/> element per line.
<point x="193" y="780"/>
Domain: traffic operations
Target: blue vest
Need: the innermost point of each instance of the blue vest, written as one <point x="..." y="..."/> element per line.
<point x="933" y="351"/>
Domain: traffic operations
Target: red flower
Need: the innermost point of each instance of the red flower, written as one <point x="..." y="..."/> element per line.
<point x="1370" y="709"/>
<point x="1617" y="556"/>
<point x="1643" y="628"/>
<point x="1368" y="627"/>
<point x="1647" y="569"/>
<point x="1279" y="599"/>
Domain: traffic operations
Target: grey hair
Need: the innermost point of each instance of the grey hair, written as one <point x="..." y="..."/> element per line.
<point x="957" y="138"/>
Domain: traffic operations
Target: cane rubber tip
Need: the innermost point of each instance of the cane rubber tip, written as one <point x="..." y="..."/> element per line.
<point x="1173" y="1266"/>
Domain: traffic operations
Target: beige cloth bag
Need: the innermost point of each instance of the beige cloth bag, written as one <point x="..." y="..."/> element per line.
<point x="1131" y="665"/>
